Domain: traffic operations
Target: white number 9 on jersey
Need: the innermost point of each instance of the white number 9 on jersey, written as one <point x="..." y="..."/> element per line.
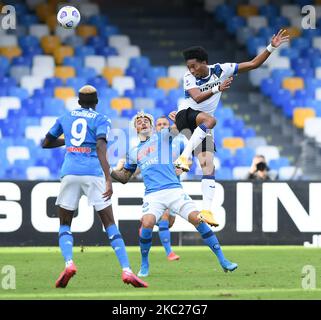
<point x="78" y="131"/>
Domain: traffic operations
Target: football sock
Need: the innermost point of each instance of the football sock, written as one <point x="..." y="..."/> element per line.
<point x="66" y="242"/>
<point x="165" y="235"/>
<point x="210" y="239"/>
<point x="197" y="137"/>
<point x="208" y="188"/>
<point x="117" y="243"/>
<point x="145" y="242"/>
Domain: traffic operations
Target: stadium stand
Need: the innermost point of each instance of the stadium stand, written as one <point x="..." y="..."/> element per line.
<point x="136" y="64"/>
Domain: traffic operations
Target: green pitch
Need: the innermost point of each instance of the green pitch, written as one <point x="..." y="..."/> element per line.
<point x="263" y="273"/>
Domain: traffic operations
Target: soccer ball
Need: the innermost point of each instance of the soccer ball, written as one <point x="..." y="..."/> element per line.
<point x="68" y="17"/>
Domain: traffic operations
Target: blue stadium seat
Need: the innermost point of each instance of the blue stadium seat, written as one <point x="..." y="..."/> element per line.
<point x="98" y="20"/>
<point x="234" y="24"/>
<point x="254" y="43"/>
<point x="43" y="93"/>
<point x="86" y="72"/>
<point x="135" y="72"/>
<point x="291" y="53"/>
<point x="108" y="93"/>
<point x="18" y="92"/>
<point x="98" y="82"/>
<point x="223" y="113"/>
<point x="76" y="62"/>
<point x="155" y="93"/>
<point x="54" y="107"/>
<point x="106" y="51"/>
<point x="281" y="96"/>
<point x="78" y="42"/>
<point x="244" y="156"/>
<point x="276" y="164"/>
<point x="76" y="83"/>
<point x="300" y="43"/>
<point x="83" y="51"/>
<point x="53" y="82"/>
<point x="278" y="22"/>
<point x="224" y="12"/>
<point x="128" y="113"/>
<point x="96" y="41"/>
<point x="28" y="41"/>
<point x="174" y="94"/>
<point x="156" y="72"/>
<point x="142" y="62"/>
<point x="28" y="19"/>
<point x="145" y="82"/>
<point x="279" y="74"/>
<point x="269" y="10"/>
<point x="106" y="31"/>
<point x="219" y="135"/>
<point x="224" y="174"/>
<point x="134" y="93"/>
<point x="7" y="82"/>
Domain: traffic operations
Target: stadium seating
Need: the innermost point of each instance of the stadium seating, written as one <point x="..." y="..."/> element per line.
<point x="42" y="69"/>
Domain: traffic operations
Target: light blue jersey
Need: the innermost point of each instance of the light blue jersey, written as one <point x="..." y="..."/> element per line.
<point x="155" y="161"/>
<point x="81" y="128"/>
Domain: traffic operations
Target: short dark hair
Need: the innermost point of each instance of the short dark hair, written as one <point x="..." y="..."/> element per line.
<point x="198" y="53"/>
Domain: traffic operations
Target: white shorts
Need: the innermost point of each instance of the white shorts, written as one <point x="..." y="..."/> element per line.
<point x="176" y="200"/>
<point x="73" y="187"/>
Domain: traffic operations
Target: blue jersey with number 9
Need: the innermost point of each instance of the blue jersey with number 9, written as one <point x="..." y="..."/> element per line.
<point x="81" y="128"/>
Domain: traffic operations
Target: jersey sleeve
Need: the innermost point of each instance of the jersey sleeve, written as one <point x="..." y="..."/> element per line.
<point x="56" y="130"/>
<point x="103" y="127"/>
<point x="131" y="162"/>
<point x="189" y="82"/>
<point x="229" y="69"/>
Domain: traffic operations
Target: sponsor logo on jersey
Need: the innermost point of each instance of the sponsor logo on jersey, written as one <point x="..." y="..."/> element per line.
<point x="79" y="149"/>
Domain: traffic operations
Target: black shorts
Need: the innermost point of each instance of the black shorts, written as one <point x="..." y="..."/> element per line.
<point x="186" y="124"/>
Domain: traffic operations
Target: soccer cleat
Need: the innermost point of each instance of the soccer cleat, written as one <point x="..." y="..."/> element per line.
<point x="144" y="271"/>
<point x="207" y="216"/>
<point x="228" y="266"/>
<point x="182" y="163"/>
<point x="130" y="278"/>
<point x="172" y="256"/>
<point x="65" y="276"/>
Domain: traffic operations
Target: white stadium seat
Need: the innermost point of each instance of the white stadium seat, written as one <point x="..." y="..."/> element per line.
<point x="18" y="72"/>
<point x="38" y="173"/>
<point x="117" y="62"/>
<point x="177" y="72"/>
<point x="123" y="83"/>
<point x="72" y="103"/>
<point x="17" y="153"/>
<point x="7" y="103"/>
<point x="43" y="61"/>
<point x="88" y="9"/>
<point x="118" y="41"/>
<point x="312" y="127"/>
<point x="254" y="142"/>
<point x="47" y="122"/>
<point x="63" y="33"/>
<point x="144" y="103"/>
<point x="318" y="94"/>
<point x="39" y="30"/>
<point x="277" y="62"/>
<point x="269" y="152"/>
<point x="296" y="21"/>
<point x="318" y="72"/>
<point x="31" y="83"/>
<point x="40" y="71"/>
<point x="290" y="173"/>
<point x="257" y="22"/>
<point x="96" y="62"/>
<point x="129" y="51"/>
<point x="35" y="133"/>
<point x="9" y="40"/>
<point x="290" y="10"/>
<point x="241" y="173"/>
<point x="316" y="42"/>
<point x="257" y="75"/>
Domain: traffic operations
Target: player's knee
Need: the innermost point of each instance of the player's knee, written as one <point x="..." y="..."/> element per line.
<point x="148" y="221"/>
<point x="210" y="122"/>
<point x="193" y="219"/>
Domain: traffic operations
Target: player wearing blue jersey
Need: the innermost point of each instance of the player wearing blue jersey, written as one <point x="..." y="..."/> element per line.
<point x="85" y="171"/>
<point x="153" y="156"/>
<point x="203" y="86"/>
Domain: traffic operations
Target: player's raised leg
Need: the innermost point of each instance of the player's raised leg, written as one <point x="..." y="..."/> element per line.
<point x="117" y="243"/>
<point x="165" y="236"/>
<point x="208" y="187"/>
<point x="210" y="239"/>
<point x="66" y="246"/>
<point x="204" y="123"/>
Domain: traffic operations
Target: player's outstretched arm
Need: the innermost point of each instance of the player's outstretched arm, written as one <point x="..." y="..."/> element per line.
<point x="51" y="142"/>
<point x="276" y="41"/>
<point x="101" y="147"/>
